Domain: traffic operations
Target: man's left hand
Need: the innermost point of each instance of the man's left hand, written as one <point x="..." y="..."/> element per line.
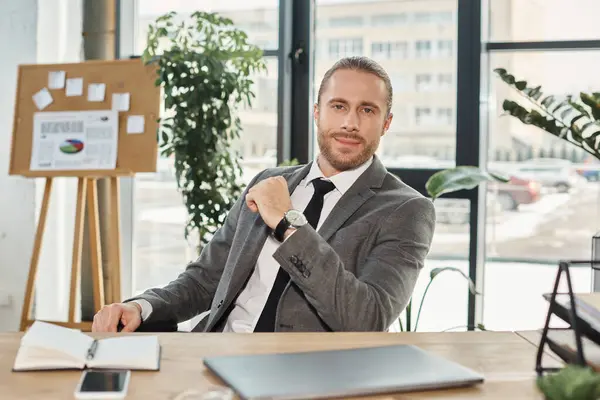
<point x="270" y="198"/>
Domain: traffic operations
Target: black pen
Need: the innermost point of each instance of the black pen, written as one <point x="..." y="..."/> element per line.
<point x="92" y="349"/>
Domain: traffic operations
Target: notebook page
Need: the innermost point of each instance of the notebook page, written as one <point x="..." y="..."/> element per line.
<point x="69" y="342"/>
<point x="133" y="352"/>
<point x="36" y="358"/>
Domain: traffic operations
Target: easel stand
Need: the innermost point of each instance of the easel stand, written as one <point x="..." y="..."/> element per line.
<point x="87" y="191"/>
<point x="580" y="327"/>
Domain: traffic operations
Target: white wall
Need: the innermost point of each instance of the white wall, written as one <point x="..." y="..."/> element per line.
<point x="59" y="41"/>
<point x="18" y="26"/>
<point x="44" y="32"/>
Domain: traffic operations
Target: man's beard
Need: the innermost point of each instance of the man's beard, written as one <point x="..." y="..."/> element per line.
<point x="341" y="161"/>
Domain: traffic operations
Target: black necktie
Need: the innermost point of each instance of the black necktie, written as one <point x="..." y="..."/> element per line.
<point x="312" y="212"/>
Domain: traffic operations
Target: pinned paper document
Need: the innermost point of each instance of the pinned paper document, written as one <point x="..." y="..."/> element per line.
<point x="56" y="79"/>
<point x="120" y="101"/>
<point x="96" y="91"/>
<point x="74" y="87"/>
<point x="135" y="124"/>
<point x="42" y="99"/>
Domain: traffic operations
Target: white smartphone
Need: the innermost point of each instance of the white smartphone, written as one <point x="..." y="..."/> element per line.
<point x="103" y="384"/>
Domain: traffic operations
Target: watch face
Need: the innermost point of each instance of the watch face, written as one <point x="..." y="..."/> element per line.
<point x="295" y="218"/>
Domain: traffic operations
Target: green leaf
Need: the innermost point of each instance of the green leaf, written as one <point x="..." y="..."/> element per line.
<point x="205" y="66"/>
<point x="580" y="108"/>
<point x="521" y="85"/>
<point x="536" y="93"/>
<point x="593" y="102"/>
<point x="436" y="271"/>
<point x="547" y="102"/>
<point x="165" y="137"/>
<point x="559" y="118"/>
<point x="565" y="113"/>
<point x="454" y="179"/>
<point x="560" y="105"/>
<point x="571" y="382"/>
<point x="577" y="118"/>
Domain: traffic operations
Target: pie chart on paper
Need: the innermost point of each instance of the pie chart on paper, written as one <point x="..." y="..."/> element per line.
<point x="71" y="146"/>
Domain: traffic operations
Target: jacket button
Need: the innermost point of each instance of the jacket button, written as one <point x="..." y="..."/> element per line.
<point x="294" y="259"/>
<point x="220" y="304"/>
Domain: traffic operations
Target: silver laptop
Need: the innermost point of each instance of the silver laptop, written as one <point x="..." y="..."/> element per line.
<point x="326" y="374"/>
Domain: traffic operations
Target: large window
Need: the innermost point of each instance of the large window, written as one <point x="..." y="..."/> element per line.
<point x="524" y="21"/>
<point x="160" y="251"/>
<point x="258" y="18"/>
<point x="422" y="82"/>
<point x="550" y="208"/>
<point x="431" y="50"/>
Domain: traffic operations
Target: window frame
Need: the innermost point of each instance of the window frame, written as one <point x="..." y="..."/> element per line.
<point x="294" y="111"/>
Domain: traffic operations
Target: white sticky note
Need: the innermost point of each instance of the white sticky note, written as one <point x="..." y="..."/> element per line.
<point x="74" y="87"/>
<point x="135" y="124"/>
<point x="42" y="99"/>
<point x="56" y="79"/>
<point x="120" y="101"/>
<point x="96" y="91"/>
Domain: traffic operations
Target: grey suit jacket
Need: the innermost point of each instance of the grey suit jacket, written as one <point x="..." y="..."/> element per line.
<point x="356" y="274"/>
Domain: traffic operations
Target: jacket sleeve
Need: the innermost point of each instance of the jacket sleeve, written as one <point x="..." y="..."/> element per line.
<point x="372" y="299"/>
<point x="193" y="290"/>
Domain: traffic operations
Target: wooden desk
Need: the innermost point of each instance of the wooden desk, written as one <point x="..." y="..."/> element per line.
<point x="504" y="358"/>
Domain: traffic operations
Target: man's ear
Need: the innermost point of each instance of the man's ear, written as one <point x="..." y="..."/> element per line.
<point x="387" y="123"/>
<point x="316" y="112"/>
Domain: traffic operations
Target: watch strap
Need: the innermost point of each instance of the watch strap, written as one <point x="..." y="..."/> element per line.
<point x="281" y="228"/>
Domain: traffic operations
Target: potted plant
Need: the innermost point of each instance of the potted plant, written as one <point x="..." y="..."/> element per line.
<point x="205" y="67"/>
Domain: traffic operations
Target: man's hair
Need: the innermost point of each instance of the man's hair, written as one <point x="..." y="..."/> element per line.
<point x="363" y="64"/>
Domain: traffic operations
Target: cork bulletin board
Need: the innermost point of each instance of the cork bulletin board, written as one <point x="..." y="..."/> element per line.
<point x="39" y="94"/>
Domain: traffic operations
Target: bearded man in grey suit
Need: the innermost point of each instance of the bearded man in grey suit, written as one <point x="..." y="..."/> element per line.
<point x="335" y="245"/>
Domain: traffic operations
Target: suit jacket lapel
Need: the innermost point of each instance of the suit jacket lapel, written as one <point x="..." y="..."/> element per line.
<point x="355" y="197"/>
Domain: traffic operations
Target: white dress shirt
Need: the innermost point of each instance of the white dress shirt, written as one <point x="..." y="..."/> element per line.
<point x="251" y="301"/>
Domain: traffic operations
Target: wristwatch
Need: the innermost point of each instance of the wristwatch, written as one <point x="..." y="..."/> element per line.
<point x="291" y="219"/>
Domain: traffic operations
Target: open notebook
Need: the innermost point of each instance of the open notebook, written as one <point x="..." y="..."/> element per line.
<point x="47" y="347"/>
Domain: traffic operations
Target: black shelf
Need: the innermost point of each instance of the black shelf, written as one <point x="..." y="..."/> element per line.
<point x="580" y="327"/>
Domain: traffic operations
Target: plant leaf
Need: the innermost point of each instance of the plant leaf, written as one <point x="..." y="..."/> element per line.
<point x="580" y="108"/>
<point x="436" y="271"/>
<point x="458" y="178"/>
<point x="536" y="93"/>
<point x="547" y="102"/>
<point x="571" y="382"/>
<point x="205" y="66"/>
<point x="593" y="102"/>
<point x="521" y="85"/>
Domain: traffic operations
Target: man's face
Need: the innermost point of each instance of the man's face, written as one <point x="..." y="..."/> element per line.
<point x="351" y="117"/>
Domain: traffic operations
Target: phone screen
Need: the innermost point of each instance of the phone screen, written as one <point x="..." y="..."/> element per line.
<point x="104" y="381"/>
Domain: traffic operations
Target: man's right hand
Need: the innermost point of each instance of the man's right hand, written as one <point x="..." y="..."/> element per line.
<point x="108" y="318"/>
